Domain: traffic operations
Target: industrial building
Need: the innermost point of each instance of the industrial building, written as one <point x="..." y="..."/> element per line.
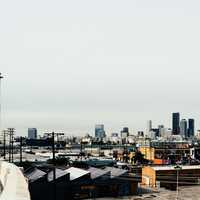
<point x="166" y="176"/>
<point x="76" y="183"/>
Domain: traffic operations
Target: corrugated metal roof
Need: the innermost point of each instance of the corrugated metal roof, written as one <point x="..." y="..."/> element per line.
<point x="59" y="173"/>
<point x="96" y="173"/>
<point x="34" y="174"/>
<point x="76" y="173"/>
<point x="115" y="172"/>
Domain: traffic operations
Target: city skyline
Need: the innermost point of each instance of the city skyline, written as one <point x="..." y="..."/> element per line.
<point x="71" y="65"/>
<point x="191" y="128"/>
<point x="99" y="99"/>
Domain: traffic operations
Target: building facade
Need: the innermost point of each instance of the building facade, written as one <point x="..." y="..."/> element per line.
<point x="32" y="133"/>
<point x="190" y="127"/>
<point x="149" y="128"/>
<point x="99" y="131"/>
<point x="183" y="128"/>
<point x="175" y="123"/>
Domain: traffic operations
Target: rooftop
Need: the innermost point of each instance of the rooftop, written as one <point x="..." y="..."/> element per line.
<point x="59" y="173"/>
<point x="115" y="172"/>
<point x="96" y="173"/>
<point x="76" y="173"/>
<point x="34" y="174"/>
<point x="183" y="167"/>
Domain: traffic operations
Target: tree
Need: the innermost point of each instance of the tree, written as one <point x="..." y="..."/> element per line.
<point x="139" y="158"/>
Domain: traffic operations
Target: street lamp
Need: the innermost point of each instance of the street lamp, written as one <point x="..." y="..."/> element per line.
<point x="177" y="168"/>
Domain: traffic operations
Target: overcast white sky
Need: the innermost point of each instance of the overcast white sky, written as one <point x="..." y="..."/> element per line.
<point x="69" y="64"/>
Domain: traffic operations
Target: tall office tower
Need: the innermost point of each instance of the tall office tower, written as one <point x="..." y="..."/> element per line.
<point x="32" y="133"/>
<point x="156" y="131"/>
<point x="175" y="123"/>
<point x="125" y="132"/>
<point x="149" y="127"/>
<point x="190" y="127"/>
<point x="183" y="128"/>
<point x="99" y="131"/>
<point x="161" y="129"/>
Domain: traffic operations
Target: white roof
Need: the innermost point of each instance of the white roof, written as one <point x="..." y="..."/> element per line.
<point x="96" y="173"/>
<point x="76" y="173"/>
<point x="160" y="168"/>
<point x="115" y="172"/>
<point x="59" y="173"/>
<point x="35" y="174"/>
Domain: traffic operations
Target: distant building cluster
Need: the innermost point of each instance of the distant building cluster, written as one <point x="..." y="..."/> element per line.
<point x="181" y="129"/>
<point x="103" y="164"/>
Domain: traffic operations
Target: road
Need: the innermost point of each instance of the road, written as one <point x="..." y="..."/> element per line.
<point x="185" y="193"/>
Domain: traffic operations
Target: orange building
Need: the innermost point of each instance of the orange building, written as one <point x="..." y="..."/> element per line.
<point x="148" y="152"/>
<point x="166" y="176"/>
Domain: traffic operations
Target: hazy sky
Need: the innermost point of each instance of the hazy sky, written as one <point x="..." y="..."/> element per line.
<point x="69" y="64"/>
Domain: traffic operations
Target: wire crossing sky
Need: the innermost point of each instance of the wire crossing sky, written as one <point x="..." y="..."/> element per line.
<point x="71" y="64"/>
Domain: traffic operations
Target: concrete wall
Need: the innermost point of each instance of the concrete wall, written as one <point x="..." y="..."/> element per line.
<point x="13" y="183"/>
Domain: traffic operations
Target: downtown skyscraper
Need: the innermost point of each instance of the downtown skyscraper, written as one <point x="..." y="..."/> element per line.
<point x="183" y="128"/>
<point x="99" y="131"/>
<point x="175" y="123"/>
<point x="190" y="127"/>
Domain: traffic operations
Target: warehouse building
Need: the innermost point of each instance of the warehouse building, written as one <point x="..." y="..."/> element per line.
<point x="76" y="183"/>
<point x="166" y="176"/>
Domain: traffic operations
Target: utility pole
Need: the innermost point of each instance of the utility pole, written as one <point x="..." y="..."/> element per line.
<point x="21" y="151"/>
<point x="11" y="137"/>
<point x="9" y="149"/>
<point x="4" y="143"/>
<point x="1" y="77"/>
<point x="52" y="136"/>
<point x="81" y="150"/>
<point x="177" y="168"/>
<point x="54" y="164"/>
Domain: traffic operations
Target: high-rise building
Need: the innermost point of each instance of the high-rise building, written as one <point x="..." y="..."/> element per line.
<point x="32" y="133"/>
<point x="99" y="131"/>
<point x="161" y="129"/>
<point x="156" y="131"/>
<point x="149" y="127"/>
<point x="125" y="132"/>
<point x="125" y="129"/>
<point x="190" y="127"/>
<point x="175" y="123"/>
<point x="183" y="128"/>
